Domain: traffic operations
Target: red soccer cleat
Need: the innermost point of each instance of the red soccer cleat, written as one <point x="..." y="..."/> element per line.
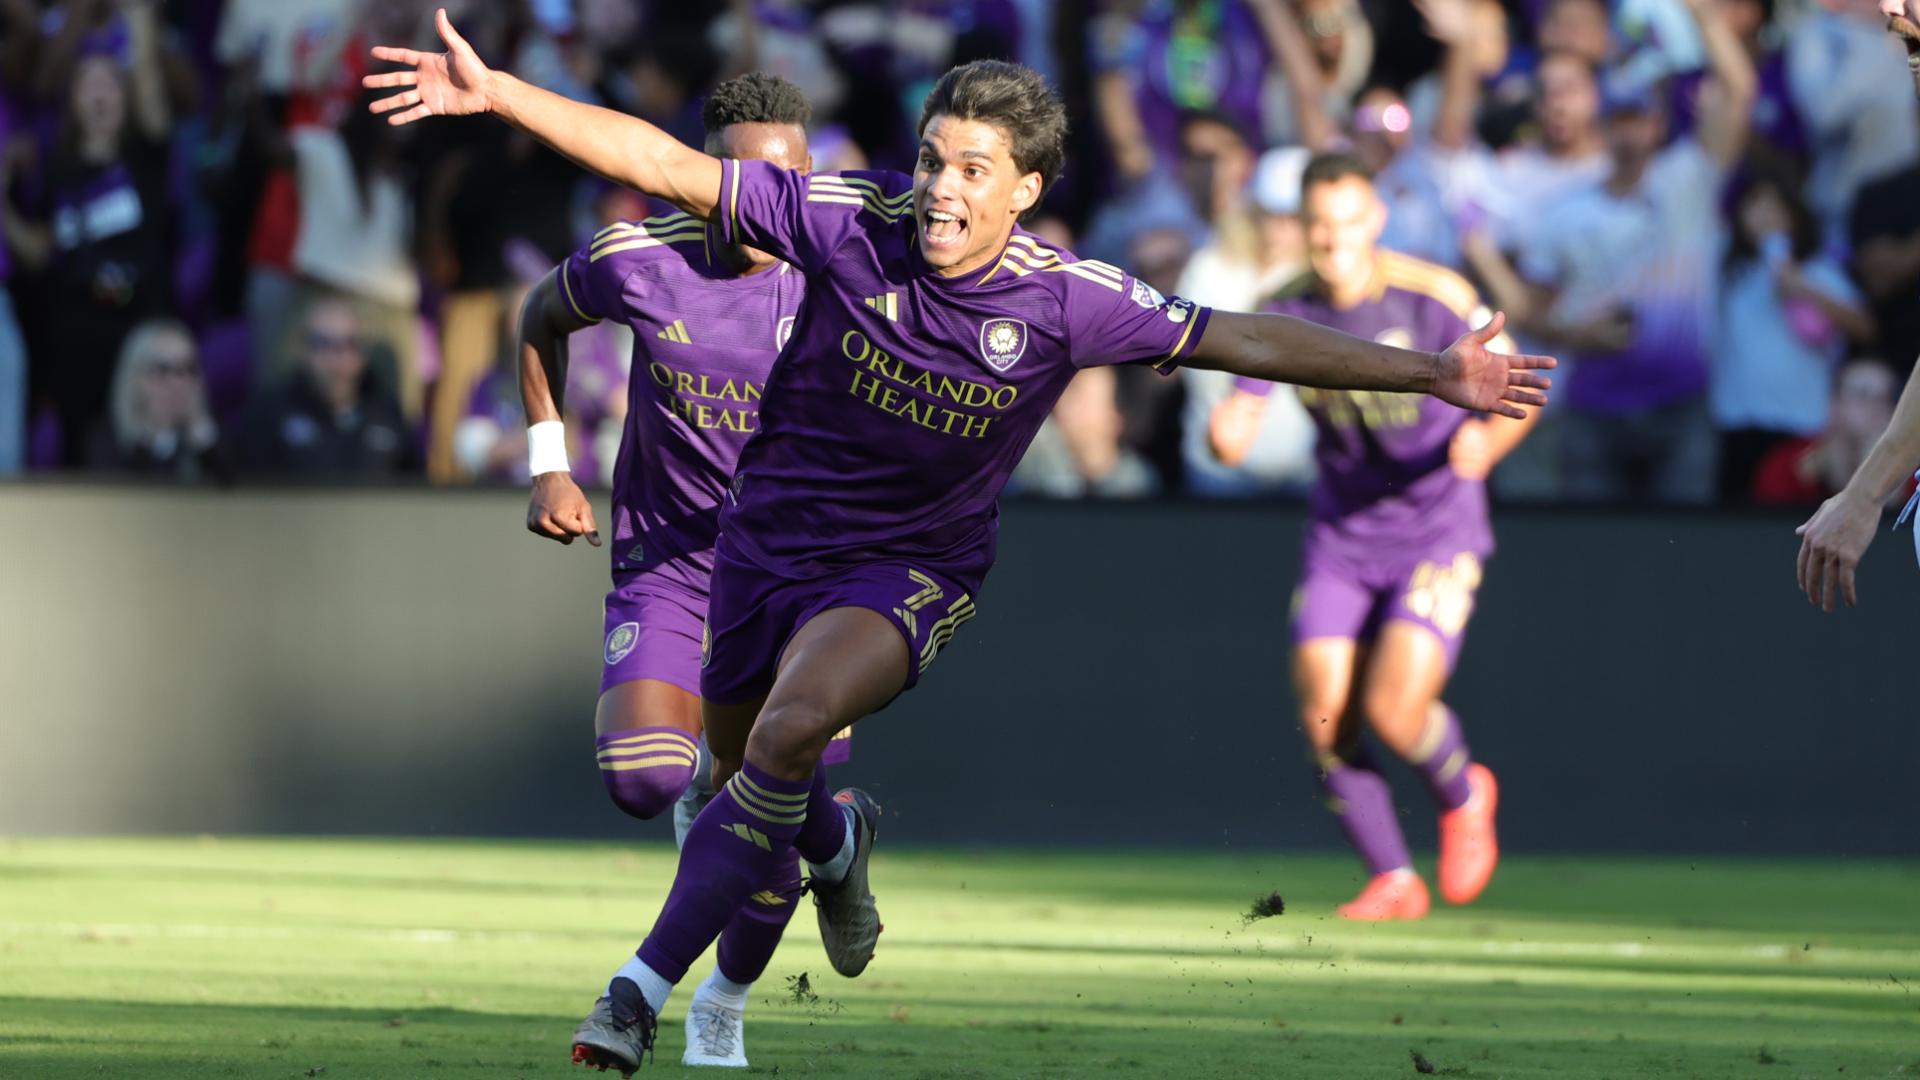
<point x="1396" y="894"/>
<point x="1468" y="849"/>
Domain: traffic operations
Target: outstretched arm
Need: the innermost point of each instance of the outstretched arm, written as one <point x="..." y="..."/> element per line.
<point x="1727" y="114"/>
<point x="1834" y="539"/>
<point x="624" y="149"/>
<point x="1279" y="348"/>
<point x="1287" y="40"/>
<point x="557" y="508"/>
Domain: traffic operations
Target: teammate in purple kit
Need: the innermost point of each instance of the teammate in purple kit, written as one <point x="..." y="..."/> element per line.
<point x="708" y="319"/>
<point x="934" y="339"/>
<point x="1394" y="549"/>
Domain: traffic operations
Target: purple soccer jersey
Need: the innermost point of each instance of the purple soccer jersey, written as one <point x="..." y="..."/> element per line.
<point x="1384" y="477"/>
<point x="906" y="398"/>
<point x="703" y="342"/>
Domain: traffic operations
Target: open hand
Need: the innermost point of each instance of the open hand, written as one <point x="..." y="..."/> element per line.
<point x="452" y="83"/>
<point x="1831" y="544"/>
<point x="1477" y="379"/>
<point x="559" y="510"/>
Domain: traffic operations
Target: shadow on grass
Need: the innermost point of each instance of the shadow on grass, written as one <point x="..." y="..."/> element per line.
<point x="1358" y="1037"/>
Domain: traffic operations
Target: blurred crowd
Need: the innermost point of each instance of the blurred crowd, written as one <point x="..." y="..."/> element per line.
<point x="218" y="266"/>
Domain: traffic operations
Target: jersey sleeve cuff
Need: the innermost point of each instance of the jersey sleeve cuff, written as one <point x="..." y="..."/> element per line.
<point x="1189" y="340"/>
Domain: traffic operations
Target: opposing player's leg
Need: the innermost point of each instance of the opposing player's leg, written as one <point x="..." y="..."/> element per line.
<point x="1324" y="674"/>
<point x="1413" y="658"/>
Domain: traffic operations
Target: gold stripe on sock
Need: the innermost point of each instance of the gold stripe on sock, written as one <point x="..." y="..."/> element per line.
<point x="644" y="763"/>
<point x="745" y="800"/>
<point x="772" y="797"/>
<point x="671" y="738"/>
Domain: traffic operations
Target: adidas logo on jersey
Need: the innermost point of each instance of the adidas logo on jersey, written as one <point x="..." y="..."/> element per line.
<point x="888" y="305"/>
<point x="676" y="333"/>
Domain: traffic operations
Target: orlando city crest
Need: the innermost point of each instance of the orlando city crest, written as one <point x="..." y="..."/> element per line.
<point x="621" y="641"/>
<point x="1002" y="342"/>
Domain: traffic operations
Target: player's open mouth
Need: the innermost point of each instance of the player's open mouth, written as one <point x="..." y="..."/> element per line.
<point x="941" y="229"/>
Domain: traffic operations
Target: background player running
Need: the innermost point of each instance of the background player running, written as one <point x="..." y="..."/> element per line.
<point x="933" y="342"/>
<point x="1835" y="538"/>
<point x="1394" y="547"/>
<point x="708" y="319"/>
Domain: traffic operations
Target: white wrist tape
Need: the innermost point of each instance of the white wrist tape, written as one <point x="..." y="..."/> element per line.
<point x="547" y="448"/>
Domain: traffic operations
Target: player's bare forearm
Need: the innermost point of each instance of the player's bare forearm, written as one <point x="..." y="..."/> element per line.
<point x="1280" y="348"/>
<point x="624" y="149"/>
<point x="1897" y="454"/>
<point x="543" y="352"/>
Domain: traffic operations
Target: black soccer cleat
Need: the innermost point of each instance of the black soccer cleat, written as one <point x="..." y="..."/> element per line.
<point x="849" y="919"/>
<point x="619" y="1032"/>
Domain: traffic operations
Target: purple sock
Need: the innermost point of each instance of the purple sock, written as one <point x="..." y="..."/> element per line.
<point x="1358" y="795"/>
<point x="747" y="944"/>
<point x="824" y="832"/>
<point x="646" y="769"/>
<point x="735" y="847"/>
<point x="1442" y="758"/>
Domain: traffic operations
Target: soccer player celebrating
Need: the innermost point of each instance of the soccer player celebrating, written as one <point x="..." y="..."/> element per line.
<point x="708" y="319"/>
<point x="933" y="340"/>
<point x="1394" y="549"/>
<point x="1835" y="538"/>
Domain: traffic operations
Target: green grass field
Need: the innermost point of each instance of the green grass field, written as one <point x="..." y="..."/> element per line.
<point x="179" y="958"/>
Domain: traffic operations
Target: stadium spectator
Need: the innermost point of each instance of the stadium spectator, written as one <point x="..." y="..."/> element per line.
<point x="1885" y="233"/>
<point x="1079" y="452"/>
<point x="1257" y="246"/>
<point x="356" y="237"/>
<point x="275" y="195"/>
<point x="1567" y="151"/>
<point x="1803" y="471"/>
<point x="1477" y="36"/>
<point x="13" y="348"/>
<point x="97" y="232"/>
<point x="1787" y="315"/>
<point x="1580" y="28"/>
<point x="1176" y="57"/>
<point x="490" y="194"/>
<point x="1848" y="80"/>
<point x="162" y="425"/>
<point x="1779" y="133"/>
<point x="1622" y="275"/>
<point x="333" y="417"/>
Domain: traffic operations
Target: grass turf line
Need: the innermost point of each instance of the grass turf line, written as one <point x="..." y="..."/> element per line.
<point x="170" y="959"/>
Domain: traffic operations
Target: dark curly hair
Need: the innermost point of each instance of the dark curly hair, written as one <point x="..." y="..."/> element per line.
<point x="755" y="98"/>
<point x="1015" y="99"/>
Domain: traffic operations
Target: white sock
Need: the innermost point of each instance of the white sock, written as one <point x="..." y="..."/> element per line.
<point x="655" y="988"/>
<point x="835" y="869"/>
<point x="729" y="993"/>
